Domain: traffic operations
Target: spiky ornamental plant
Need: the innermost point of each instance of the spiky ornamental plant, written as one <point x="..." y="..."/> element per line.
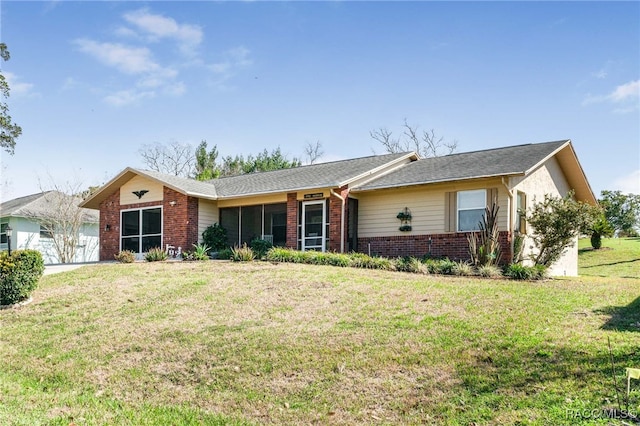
<point x="484" y="245"/>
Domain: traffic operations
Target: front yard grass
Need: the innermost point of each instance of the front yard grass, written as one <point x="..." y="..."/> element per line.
<point x="619" y="257"/>
<point x="261" y="343"/>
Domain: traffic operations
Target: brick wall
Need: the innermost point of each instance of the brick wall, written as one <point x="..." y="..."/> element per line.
<point x="454" y="246"/>
<point x="180" y="222"/>
<point x="292" y="220"/>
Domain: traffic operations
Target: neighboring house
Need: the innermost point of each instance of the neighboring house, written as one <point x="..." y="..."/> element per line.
<point x="349" y="205"/>
<point x="36" y="220"/>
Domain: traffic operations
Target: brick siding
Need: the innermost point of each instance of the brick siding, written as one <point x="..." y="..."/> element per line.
<point x="180" y="222"/>
<point x="454" y="246"/>
<point x="292" y="220"/>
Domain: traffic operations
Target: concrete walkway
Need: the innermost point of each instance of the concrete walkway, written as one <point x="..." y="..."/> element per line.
<point x="63" y="267"/>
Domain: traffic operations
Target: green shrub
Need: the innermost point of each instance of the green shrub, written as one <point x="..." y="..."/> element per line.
<point x="225" y="253"/>
<point x="489" y="271"/>
<point x="410" y="264"/>
<point x="517" y="271"/>
<point x="440" y="266"/>
<point x="462" y="269"/>
<point x="521" y="272"/>
<point x="242" y="254"/>
<point x="201" y="252"/>
<point x="260" y="247"/>
<point x="155" y="254"/>
<point x="215" y="236"/>
<point x="361" y="260"/>
<point x="19" y="275"/>
<point x="125" y="256"/>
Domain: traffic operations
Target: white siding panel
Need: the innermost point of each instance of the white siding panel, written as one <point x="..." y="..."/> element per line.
<point x="207" y="215"/>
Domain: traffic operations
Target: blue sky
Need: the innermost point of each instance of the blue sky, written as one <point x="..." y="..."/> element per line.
<point x="92" y="82"/>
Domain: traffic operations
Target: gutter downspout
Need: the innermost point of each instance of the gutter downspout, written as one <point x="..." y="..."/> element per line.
<point x="509" y="214"/>
<point x="341" y="220"/>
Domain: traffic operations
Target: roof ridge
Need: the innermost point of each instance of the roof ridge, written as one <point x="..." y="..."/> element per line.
<point x="499" y="148"/>
<point x="314" y="165"/>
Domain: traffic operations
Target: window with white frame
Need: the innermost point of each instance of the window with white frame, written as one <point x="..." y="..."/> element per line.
<point x="141" y="230"/>
<point x="46" y="231"/>
<point x="521" y="208"/>
<point x="3" y="233"/>
<point x="470" y="209"/>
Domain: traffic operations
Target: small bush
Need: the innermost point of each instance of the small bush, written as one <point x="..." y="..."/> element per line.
<point x="215" y="236"/>
<point x="361" y="260"/>
<point x="125" y="256"/>
<point x="260" y="247"/>
<point x="242" y="254"/>
<point x="440" y="266"/>
<point x="489" y="271"/>
<point x="19" y="275"/>
<point x="521" y="272"/>
<point x="155" y="254"/>
<point x="225" y="254"/>
<point x="462" y="269"/>
<point x="201" y="252"/>
<point x="410" y="264"/>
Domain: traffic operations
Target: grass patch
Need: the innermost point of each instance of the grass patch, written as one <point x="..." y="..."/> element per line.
<point x="618" y="257"/>
<point x="262" y="343"/>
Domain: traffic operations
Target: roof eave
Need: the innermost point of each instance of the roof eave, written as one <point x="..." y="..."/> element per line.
<point x="432" y="182"/>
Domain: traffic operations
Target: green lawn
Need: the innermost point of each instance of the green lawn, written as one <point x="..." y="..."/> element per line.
<point x="619" y="257"/>
<point x="261" y="343"/>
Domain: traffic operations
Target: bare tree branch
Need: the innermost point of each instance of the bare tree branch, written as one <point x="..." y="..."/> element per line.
<point x="175" y="158"/>
<point x="426" y="144"/>
<point x="313" y="151"/>
<point x="62" y="221"/>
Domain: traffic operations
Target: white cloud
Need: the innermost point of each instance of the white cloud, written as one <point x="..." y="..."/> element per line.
<point x="623" y="94"/>
<point x="126" y="59"/>
<point x="17" y="87"/>
<point x="629" y="184"/>
<point x="157" y="27"/>
<point x="126" y="97"/>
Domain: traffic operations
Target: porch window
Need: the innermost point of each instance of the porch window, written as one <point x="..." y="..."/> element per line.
<point x="262" y="221"/>
<point x="141" y="229"/>
<point x="3" y="233"/>
<point x="471" y="205"/>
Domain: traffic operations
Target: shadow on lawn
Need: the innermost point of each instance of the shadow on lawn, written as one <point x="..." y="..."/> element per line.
<point x="530" y="371"/>
<point x="622" y="318"/>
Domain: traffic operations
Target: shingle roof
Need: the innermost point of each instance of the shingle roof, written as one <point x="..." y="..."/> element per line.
<point x="491" y="162"/>
<point x="187" y="186"/>
<point x="39" y="205"/>
<point x="322" y="175"/>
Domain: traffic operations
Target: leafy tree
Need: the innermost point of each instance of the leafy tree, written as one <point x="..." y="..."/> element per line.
<point x="9" y="131"/>
<point x="622" y="211"/>
<point x="206" y="167"/>
<point x="426" y="144"/>
<point x="557" y="222"/>
<point x="600" y="228"/>
<point x="263" y="162"/>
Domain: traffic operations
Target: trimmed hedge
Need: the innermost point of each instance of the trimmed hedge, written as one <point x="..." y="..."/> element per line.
<point x="19" y="275"/>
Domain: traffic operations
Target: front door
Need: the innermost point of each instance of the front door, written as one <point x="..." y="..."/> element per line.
<point x="313" y="225"/>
